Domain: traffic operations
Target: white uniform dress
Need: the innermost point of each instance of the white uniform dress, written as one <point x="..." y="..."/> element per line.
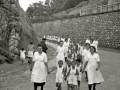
<point x="72" y="77"/>
<point x="59" y="75"/>
<point x="79" y="77"/>
<point x="94" y="77"/>
<point x="84" y="55"/>
<point x="60" y="55"/>
<point x="39" y="72"/>
<point x="66" y="45"/>
<point x="95" y="42"/>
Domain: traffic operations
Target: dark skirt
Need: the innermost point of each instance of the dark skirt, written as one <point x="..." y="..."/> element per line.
<point x="39" y="84"/>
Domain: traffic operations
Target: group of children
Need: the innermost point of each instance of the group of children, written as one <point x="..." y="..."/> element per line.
<point x="74" y="55"/>
<point x="72" y="71"/>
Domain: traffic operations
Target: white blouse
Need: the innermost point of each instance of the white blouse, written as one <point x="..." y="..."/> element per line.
<point x="39" y="60"/>
<point x="93" y="58"/>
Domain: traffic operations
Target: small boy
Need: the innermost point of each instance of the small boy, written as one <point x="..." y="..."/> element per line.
<point x="59" y="75"/>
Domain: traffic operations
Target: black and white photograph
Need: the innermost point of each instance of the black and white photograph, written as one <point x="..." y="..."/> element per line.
<point x="59" y="44"/>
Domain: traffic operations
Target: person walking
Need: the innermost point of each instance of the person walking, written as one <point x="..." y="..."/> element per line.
<point x="30" y="50"/>
<point x="93" y="69"/>
<point x="39" y="68"/>
<point x="43" y="43"/>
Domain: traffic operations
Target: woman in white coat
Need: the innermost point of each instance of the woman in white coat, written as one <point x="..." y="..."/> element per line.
<point x="93" y="66"/>
<point x="39" y="68"/>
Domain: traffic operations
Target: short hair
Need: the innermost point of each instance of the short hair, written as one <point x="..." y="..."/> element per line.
<point x="22" y="49"/>
<point x="87" y="44"/>
<point x="31" y="42"/>
<point x="39" y="45"/>
<point x="66" y="39"/>
<point x="60" y="61"/>
<point x="94" y="48"/>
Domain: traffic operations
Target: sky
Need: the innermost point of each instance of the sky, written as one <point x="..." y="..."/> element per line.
<point x="25" y="3"/>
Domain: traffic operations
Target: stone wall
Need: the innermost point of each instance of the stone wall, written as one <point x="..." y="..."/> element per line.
<point x="105" y="27"/>
<point x="16" y="31"/>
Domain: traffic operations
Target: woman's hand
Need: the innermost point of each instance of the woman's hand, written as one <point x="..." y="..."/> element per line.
<point x="48" y="72"/>
<point x="31" y="68"/>
<point x="97" y="69"/>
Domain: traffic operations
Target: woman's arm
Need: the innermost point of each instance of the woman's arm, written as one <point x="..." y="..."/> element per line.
<point x="46" y="64"/>
<point x="98" y="66"/>
<point x="98" y="62"/>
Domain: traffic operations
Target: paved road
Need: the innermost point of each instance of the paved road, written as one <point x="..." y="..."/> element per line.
<point x="110" y="69"/>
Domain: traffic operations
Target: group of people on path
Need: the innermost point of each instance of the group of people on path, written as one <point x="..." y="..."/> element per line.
<point x="73" y="59"/>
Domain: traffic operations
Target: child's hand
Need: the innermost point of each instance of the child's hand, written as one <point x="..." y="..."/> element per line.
<point x="30" y="68"/>
<point x="65" y="78"/>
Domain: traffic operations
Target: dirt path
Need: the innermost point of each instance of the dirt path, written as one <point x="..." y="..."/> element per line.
<point x="110" y="69"/>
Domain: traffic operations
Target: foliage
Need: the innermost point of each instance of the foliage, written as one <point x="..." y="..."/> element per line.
<point x="43" y="12"/>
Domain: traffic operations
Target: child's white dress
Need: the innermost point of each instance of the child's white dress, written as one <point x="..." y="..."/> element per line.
<point x="72" y="77"/>
<point x="79" y="77"/>
<point x="93" y="75"/>
<point x="22" y="54"/>
<point x="59" y="75"/>
<point x="60" y="55"/>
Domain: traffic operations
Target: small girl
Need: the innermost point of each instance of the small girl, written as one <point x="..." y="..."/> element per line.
<point x="59" y="75"/>
<point x="79" y="68"/>
<point x="73" y="72"/>
<point x="22" y="55"/>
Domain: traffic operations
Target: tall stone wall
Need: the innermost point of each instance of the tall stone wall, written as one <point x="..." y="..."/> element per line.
<point x="105" y="27"/>
<point x="16" y="31"/>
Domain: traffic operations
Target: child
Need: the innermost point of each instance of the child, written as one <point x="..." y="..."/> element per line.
<point x="67" y="70"/>
<point x="79" y="68"/>
<point x="79" y="58"/>
<point x="22" y="55"/>
<point x="69" y="58"/>
<point x="59" y="75"/>
<point x="73" y="72"/>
